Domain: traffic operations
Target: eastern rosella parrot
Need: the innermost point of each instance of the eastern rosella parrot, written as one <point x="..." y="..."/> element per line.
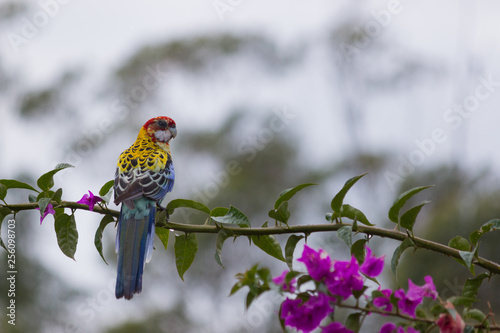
<point x="144" y="175"/>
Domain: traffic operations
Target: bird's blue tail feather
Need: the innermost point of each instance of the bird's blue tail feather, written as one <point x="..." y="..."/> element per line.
<point x="134" y="245"/>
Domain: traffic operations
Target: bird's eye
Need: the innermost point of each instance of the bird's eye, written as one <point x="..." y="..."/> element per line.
<point x="162" y="123"/>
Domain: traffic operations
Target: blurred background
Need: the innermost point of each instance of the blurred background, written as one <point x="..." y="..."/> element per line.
<point x="293" y="92"/>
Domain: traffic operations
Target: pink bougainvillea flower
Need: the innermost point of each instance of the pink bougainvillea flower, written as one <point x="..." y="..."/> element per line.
<point x="372" y="266"/>
<point x="48" y="210"/>
<point x="392" y="328"/>
<point x="89" y="200"/>
<point x="384" y="301"/>
<point x="335" y="327"/>
<point x="318" y="263"/>
<point x="450" y="322"/>
<point x="308" y="315"/>
<point x="407" y="302"/>
<point x="345" y="278"/>
<point x="427" y="290"/>
<point x="281" y="281"/>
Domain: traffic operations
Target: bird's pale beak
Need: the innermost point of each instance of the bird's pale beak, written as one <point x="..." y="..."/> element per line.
<point x="173" y="131"/>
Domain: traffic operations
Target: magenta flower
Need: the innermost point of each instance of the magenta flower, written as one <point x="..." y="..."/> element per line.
<point x="281" y="281"/>
<point x="318" y="263"/>
<point x="48" y="210"/>
<point x="308" y="315"/>
<point x="89" y="200"/>
<point x="345" y="278"/>
<point x="373" y="266"/>
<point x="384" y="301"/>
<point x="392" y="328"/>
<point x="335" y="327"/>
<point x="408" y="302"/>
<point x="427" y="290"/>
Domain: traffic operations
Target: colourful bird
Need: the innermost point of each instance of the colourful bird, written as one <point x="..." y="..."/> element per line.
<point x="144" y="175"/>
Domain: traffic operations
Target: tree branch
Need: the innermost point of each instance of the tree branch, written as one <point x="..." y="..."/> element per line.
<point x="305" y="229"/>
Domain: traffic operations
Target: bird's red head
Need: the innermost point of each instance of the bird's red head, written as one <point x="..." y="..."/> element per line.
<point x="160" y="129"/>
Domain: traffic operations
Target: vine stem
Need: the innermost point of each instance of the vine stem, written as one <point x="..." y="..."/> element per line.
<point x="306" y="229"/>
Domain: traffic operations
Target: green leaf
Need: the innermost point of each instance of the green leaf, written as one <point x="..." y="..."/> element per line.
<point x="42" y="204"/>
<point x="4" y="211"/>
<point x="354" y="214"/>
<point x="233" y="216"/>
<point x="32" y="198"/>
<point x="493" y="224"/>
<point x="178" y="203"/>
<point x="161" y="218"/>
<point x="488" y="226"/>
<point x="471" y="287"/>
<point x="289" y="193"/>
<point x="358" y="250"/>
<point x="353" y="322"/>
<point x="98" y="234"/>
<point x="476" y="315"/>
<point x="398" y="252"/>
<point x="67" y="235"/>
<point x="468" y="258"/>
<point x="163" y="234"/>
<point x="459" y="243"/>
<point x="222" y="235"/>
<point x="185" y="249"/>
<point x="345" y="234"/>
<point x="57" y="196"/>
<point x="337" y="201"/>
<point x="46" y="181"/>
<point x="281" y="214"/>
<point x="291" y="243"/>
<point x="3" y="191"/>
<point x="219" y="211"/>
<point x="268" y="244"/>
<point x="12" y="183"/>
<point x="461" y="301"/>
<point x="106" y="187"/>
<point x="409" y="217"/>
<point x="401" y="200"/>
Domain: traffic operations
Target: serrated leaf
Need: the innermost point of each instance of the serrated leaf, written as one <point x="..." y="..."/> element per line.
<point x="98" y="234"/>
<point x="337" y="201"/>
<point x="353" y="322"/>
<point x="164" y="235"/>
<point x="185" y="249"/>
<point x="409" y="217"/>
<point x="270" y="245"/>
<point x="233" y="216"/>
<point x="46" y="181"/>
<point x="459" y="243"/>
<point x="407" y="243"/>
<point x="67" y="235"/>
<point x="345" y="234"/>
<point x="184" y="203"/>
<point x="12" y="183"/>
<point x="354" y="214"/>
<point x="3" y="191"/>
<point x="281" y="214"/>
<point x="222" y="235"/>
<point x="291" y="243"/>
<point x="289" y="193"/>
<point x="471" y="287"/>
<point x="401" y="200"/>
<point x="106" y="187"/>
<point x="358" y="250"/>
<point x="219" y="211"/>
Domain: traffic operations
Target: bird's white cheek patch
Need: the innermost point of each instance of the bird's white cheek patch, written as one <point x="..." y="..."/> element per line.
<point x="163" y="136"/>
